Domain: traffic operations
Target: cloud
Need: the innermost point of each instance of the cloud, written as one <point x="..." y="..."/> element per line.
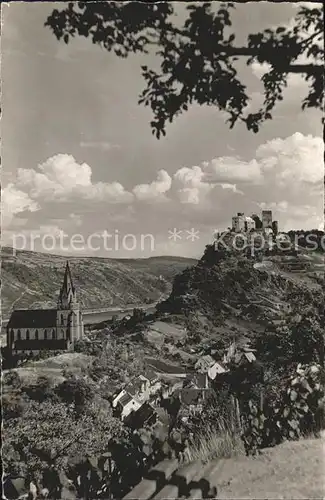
<point x="188" y="185"/>
<point x="232" y="169"/>
<point x="284" y="175"/>
<point x="294" y="161"/>
<point x="155" y="189"/>
<point x="105" y="146"/>
<point x="13" y="202"/>
<point x="281" y="206"/>
<point x="45" y="237"/>
<point x="76" y="219"/>
<point x="62" y="178"/>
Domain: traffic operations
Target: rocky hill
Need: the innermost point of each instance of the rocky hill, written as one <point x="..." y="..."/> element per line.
<point x="237" y="291"/>
<point x="32" y="279"/>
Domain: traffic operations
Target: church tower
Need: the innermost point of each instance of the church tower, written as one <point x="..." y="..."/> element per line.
<point x="69" y="323"/>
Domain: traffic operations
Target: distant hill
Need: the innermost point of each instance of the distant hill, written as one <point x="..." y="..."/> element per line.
<point x="32" y="279"/>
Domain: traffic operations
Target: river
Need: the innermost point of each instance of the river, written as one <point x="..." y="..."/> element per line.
<point x="92" y="316"/>
<point x="97" y="317"/>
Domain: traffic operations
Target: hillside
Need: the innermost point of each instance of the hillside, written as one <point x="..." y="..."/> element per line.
<point x="231" y="294"/>
<point x="32" y="279"/>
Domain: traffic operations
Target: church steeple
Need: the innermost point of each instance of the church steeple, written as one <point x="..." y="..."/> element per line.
<point x="67" y="292"/>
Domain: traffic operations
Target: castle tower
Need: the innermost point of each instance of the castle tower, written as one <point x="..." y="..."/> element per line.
<point x="238" y="222"/>
<point x="267" y="219"/>
<point x="69" y="317"/>
<point x="275" y="227"/>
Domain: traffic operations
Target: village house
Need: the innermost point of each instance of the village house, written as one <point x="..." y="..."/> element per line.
<point x="239" y="352"/>
<point x="215" y="370"/>
<point x="123" y="404"/>
<point x="210" y="368"/>
<point x="33" y="330"/>
<point x="203" y="364"/>
<point x="143" y="416"/>
<point x="144" y="386"/>
<point x="139" y="391"/>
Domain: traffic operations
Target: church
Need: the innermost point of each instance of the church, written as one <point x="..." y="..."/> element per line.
<point x="33" y="330"/>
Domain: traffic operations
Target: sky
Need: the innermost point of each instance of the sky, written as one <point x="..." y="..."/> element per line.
<point x="79" y="159"/>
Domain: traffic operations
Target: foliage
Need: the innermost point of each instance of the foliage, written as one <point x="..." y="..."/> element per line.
<point x="41" y="390"/>
<point x="294" y="409"/>
<point x="118" y="361"/>
<point x="299" y="339"/>
<point x="199" y="57"/>
<point x="86" y="347"/>
<point x="13" y="404"/>
<point x="48" y="437"/>
<point x="11" y="378"/>
<point x="194" y="329"/>
<point x="74" y="391"/>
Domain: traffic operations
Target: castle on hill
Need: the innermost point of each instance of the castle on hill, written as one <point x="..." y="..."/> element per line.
<point x="241" y="223"/>
<point x="33" y="330"/>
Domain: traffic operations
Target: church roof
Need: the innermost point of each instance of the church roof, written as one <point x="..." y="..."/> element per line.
<point x="33" y="318"/>
<point x="67" y="284"/>
<point x="67" y="280"/>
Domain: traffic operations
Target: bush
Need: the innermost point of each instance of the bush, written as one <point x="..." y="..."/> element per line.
<point x="12" y="379"/>
<point x="12" y="405"/>
<point x="41" y="390"/>
<point x="74" y="391"/>
<point x="294" y="409"/>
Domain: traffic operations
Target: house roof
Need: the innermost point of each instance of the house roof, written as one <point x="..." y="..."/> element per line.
<point x="125" y="399"/>
<point x="204" y="362"/>
<point x="215" y="370"/>
<point x="33" y="318"/>
<point x="150" y="375"/>
<point x="14" y="487"/>
<point x="117" y="395"/>
<point x="139" y="417"/>
<point x="67" y="280"/>
<point x="36" y="345"/>
<point x="250" y="356"/>
<point x="134" y="386"/>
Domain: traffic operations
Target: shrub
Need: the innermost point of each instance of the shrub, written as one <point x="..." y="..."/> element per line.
<point x="74" y="391"/>
<point x="12" y="379"/>
<point x="41" y="390"/>
<point x="294" y="409"/>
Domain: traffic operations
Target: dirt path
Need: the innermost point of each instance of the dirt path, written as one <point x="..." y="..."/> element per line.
<point x="291" y="470"/>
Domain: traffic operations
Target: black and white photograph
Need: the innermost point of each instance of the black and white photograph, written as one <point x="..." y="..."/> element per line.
<point x="162" y="250"/>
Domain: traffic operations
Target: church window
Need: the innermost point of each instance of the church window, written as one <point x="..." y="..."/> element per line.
<point x="62" y="320"/>
<point x="45" y="335"/>
<point x="53" y="334"/>
<point x="36" y="334"/>
<point x="18" y="335"/>
<point x="27" y="334"/>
